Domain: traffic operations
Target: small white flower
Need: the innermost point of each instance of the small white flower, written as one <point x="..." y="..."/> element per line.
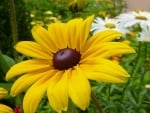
<point x="100" y="24"/>
<point x="147" y="86"/>
<point x="48" y="12"/>
<point x="135" y="17"/>
<point x="145" y="34"/>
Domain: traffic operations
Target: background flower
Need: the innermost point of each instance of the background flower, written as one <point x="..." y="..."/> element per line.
<point x="3" y="92"/>
<point x="101" y="24"/>
<point x="4" y="108"/>
<point x="144" y="35"/>
<point x="76" y="4"/>
<point x="135" y="17"/>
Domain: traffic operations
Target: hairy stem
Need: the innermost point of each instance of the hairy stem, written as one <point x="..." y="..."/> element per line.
<point x="139" y="61"/>
<point x="13" y="26"/>
<point x="97" y="104"/>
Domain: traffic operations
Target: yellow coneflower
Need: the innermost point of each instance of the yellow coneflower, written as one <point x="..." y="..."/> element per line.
<point x="64" y="59"/>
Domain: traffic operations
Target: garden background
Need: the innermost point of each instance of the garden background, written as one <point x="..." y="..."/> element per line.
<point x="17" y="17"/>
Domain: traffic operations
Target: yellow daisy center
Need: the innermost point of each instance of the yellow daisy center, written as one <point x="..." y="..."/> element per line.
<point x="66" y="58"/>
<point x="141" y="17"/>
<point x="110" y="25"/>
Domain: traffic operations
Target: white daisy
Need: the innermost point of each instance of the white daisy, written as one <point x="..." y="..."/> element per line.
<point x="135" y="17"/>
<point x="100" y="24"/>
<point x="145" y="34"/>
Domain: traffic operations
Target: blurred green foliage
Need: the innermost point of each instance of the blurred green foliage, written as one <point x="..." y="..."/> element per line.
<point x="5" y="29"/>
<point x="131" y="97"/>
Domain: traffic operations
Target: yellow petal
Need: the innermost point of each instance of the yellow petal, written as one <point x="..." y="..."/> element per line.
<point x="5" y="109"/>
<point x="109" y="36"/>
<point x="79" y="89"/>
<point x="84" y="30"/>
<point x="42" y="36"/>
<point x="73" y="33"/>
<point x="3" y="92"/>
<point x="59" y="32"/>
<point x="106" y="35"/>
<point x="98" y="63"/>
<point x="115" y="52"/>
<point x="27" y="80"/>
<point x="104" y="77"/>
<point x="58" y="92"/>
<point x="27" y="66"/>
<point x="103" y="70"/>
<point x="78" y="31"/>
<point x="34" y="94"/>
<point x="107" y="50"/>
<point x="32" y="49"/>
<point x="101" y="37"/>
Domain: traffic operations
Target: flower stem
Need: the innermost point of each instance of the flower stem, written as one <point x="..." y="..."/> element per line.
<point x="13" y="25"/>
<point x="97" y="104"/>
<point x="21" y="102"/>
<point x="139" y="61"/>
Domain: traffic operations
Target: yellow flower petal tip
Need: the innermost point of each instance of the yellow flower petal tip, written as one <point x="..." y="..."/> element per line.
<point x="5" y="109"/>
<point x="3" y="92"/>
<point x="62" y="56"/>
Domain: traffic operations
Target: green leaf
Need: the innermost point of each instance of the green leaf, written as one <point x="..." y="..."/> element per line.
<point x="5" y="62"/>
<point x="131" y="98"/>
<point x="6" y="85"/>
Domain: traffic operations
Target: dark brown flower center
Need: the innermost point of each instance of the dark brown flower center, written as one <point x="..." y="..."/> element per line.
<point x="66" y="58"/>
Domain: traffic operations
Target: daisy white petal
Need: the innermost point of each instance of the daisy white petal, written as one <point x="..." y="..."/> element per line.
<point x="135" y="17"/>
<point x="107" y="24"/>
<point x="144" y="35"/>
